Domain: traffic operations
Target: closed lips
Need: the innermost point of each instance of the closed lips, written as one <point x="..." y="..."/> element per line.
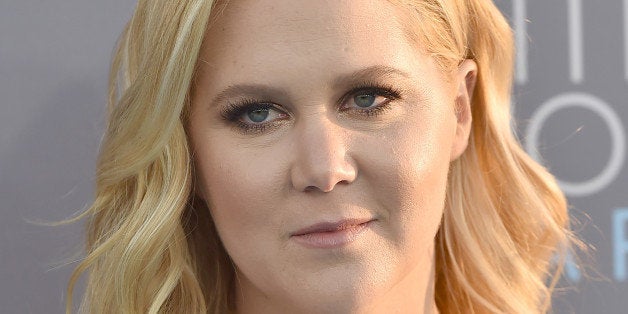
<point x="331" y="226"/>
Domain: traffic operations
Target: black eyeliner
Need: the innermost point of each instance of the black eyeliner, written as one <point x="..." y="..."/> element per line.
<point x="233" y="111"/>
<point x="384" y="89"/>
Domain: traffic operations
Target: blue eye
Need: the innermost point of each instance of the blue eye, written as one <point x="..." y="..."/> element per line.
<point x="364" y="100"/>
<point x="258" y="115"/>
<point x="249" y="115"/>
<point x="373" y="99"/>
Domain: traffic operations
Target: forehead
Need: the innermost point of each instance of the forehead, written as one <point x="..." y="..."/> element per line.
<point x="300" y="42"/>
<point x="292" y="16"/>
<point x="306" y="27"/>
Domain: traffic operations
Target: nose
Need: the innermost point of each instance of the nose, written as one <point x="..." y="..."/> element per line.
<point x="321" y="157"/>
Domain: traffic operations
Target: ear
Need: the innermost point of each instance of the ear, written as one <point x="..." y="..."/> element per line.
<point x="465" y="82"/>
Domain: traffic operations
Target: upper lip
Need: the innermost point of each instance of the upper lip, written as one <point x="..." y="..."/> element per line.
<point x="331" y="226"/>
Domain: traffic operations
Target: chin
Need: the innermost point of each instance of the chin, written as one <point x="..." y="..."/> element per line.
<point x="341" y="290"/>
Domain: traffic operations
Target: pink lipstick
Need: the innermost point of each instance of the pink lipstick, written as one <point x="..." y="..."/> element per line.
<point x="331" y="234"/>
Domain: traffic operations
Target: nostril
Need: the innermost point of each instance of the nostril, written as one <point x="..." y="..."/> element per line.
<point x="324" y="189"/>
<point x="310" y="188"/>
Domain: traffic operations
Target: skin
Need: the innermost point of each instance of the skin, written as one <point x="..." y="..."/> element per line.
<point x="320" y="163"/>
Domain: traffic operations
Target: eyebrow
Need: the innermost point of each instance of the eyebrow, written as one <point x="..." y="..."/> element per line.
<point x="378" y="72"/>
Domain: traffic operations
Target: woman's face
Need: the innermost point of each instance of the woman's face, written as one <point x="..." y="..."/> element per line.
<point x="322" y="139"/>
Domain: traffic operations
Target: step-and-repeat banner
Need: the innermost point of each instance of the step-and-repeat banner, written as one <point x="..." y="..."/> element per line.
<point x="571" y="113"/>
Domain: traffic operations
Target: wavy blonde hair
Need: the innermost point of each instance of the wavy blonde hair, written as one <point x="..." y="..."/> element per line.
<point x="151" y="246"/>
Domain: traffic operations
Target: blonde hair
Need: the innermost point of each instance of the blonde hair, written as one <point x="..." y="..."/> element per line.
<point x="151" y="246"/>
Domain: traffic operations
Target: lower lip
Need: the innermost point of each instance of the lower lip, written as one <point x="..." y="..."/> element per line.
<point x="332" y="239"/>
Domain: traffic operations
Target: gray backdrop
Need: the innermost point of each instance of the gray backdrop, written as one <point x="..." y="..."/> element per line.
<point x="569" y="104"/>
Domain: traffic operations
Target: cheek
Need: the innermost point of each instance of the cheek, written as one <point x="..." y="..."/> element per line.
<point x="415" y="177"/>
<point x="240" y="195"/>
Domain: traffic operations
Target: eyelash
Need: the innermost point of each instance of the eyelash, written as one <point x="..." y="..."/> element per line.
<point x="234" y="111"/>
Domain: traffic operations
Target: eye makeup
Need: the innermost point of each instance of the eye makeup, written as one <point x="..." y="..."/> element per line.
<point x="233" y="113"/>
<point x="236" y="114"/>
